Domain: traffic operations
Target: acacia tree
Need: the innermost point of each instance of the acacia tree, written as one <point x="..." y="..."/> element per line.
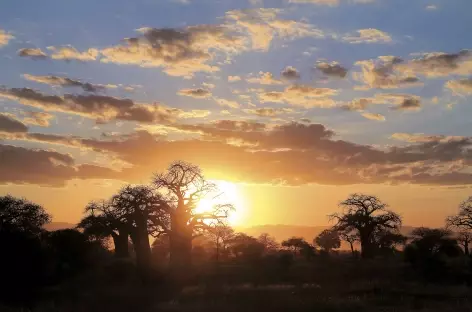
<point x="463" y="223"/>
<point x="328" y="240"/>
<point x="145" y="212"/>
<point x="299" y="245"/>
<point x="269" y="242"/>
<point x="350" y="237"/>
<point x="367" y="215"/>
<point x="103" y="220"/>
<point x="183" y="186"/>
<point x="220" y="234"/>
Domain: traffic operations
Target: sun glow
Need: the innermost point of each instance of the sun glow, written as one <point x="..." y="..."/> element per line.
<point x="228" y="194"/>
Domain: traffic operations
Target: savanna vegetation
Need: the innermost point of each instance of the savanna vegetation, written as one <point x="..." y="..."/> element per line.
<point x="149" y="249"/>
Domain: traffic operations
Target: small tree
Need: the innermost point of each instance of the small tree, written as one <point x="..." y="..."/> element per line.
<point x="269" y="242"/>
<point x="351" y="237"/>
<point x="464" y="238"/>
<point x="328" y="240"/>
<point x="299" y="246"/>
<point x="367" y="215"/>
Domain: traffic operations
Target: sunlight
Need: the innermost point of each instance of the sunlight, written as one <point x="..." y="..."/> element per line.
<point x="228" y="193"/>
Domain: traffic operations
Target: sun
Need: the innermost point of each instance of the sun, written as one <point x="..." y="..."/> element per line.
<point x="228" y="193"/>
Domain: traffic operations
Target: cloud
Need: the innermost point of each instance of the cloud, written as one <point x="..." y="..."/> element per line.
<point x="331" y="3"/>
<point x="234" y="78"/>
<point x="5" y="37"/>
<point x="264" y="78"/>
<point x="34" y="53"/>
<point x="195" y="113"/>
<point x="49" y="168"/>
<point x="398" y="102"/>
<point x="290" y="73"/>
<point x="69" y="53"/>
<point x="268" y="112"/>
<point x="431" y="7"/>
<point x="67" y="82"/>
<point x="382" y="73"/>
<point x="291" y="153"/>
<point x="369" y="35"/>
<point x="438" y="64"/>
<point x="9" y="123"/>
<point x="99" y="107"/>
<point x="263" y="26"/>
<point x="416" y="137"/>
<point x="333" y="69"/>
<point x="461" y="87"/>
<point x="41" y="119"/>
<point x="198" y="93"/>
<point x="180" y="52"/>
<point x="228" y="103"/>
<point x="372" y="116"/>
<point x="300" y="95"/>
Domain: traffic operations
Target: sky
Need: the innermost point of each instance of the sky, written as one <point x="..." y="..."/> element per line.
<point x="294" y="103"/>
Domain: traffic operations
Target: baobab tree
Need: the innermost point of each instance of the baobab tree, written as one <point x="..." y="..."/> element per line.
<point x="184" y="186"/>
<point x="103" y="221"/>
<point x="366" y="215"/>
<point x="462" y="222"/>
<point x="145" y="212"/>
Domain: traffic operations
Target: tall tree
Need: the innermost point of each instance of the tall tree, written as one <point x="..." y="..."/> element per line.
<point x="463" y="223"/>
<point x="367" y="215"/>
<point x="328" y="240"/>
<point x="21" y="215"/>
<point x="102" y="221"/>
<point x="184" y="186"/>
<point x="145" y="213"/>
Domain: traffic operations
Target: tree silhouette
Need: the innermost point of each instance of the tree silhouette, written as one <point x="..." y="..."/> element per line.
<point x="386" y="242"/>
<point x="220" y="235"/>
<point x="463" y="223"/>
<point x="103" y="221"/>
<point x="183" y="186"/>
<point x="432" y="242"/>
<point x="351" y="237"/>
<point x="145" y="213"/>
<point x="328" y="240"/>
<point x="269" y="242"/>
<point x="299" y="246"/>
<point x="21" y="215"/>
<point x="246" y="248"/>
<point x="367" y="215"/>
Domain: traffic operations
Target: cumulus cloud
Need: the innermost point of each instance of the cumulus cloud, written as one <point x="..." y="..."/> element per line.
<point x="333" y="69"/>
<point x="99" y="107"/>
<point x="290" y="73"/>
<point x="438" y="64"/>
<point x="268" y="112"/>
<point x="226" y="102"/>
<point x="264" y="78"/>
<point x="41" y="119"/>
<point x="369" y="35"/>
<point x="300" y="95"/>
<point x="5" y="37"/>
<point x="10" y="124"/>
<point x="234" y="78"/>
<point x="397" y="102"/>
<point x="195" y="113"/>
<point x="461" y="87"/>
<point x="34" y="53"/>
<point x="198" y="93"/>
<point x="180" y="52"/>
<point x="263" y="25"/>
<point x="373" y="116"/>
<point x="382" y="73"/>
<point x="69" y="53"/>
<point x="67" y="82"/>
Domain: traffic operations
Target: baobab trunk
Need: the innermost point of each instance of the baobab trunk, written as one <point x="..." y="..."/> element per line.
<point x="142" y="249"/>
<point x="366" y="246"/>
<point x="121" y="245"/>
<point x="180" y="249"/>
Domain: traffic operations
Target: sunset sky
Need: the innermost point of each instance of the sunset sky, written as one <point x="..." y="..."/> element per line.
<point x="293" y="104"/>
